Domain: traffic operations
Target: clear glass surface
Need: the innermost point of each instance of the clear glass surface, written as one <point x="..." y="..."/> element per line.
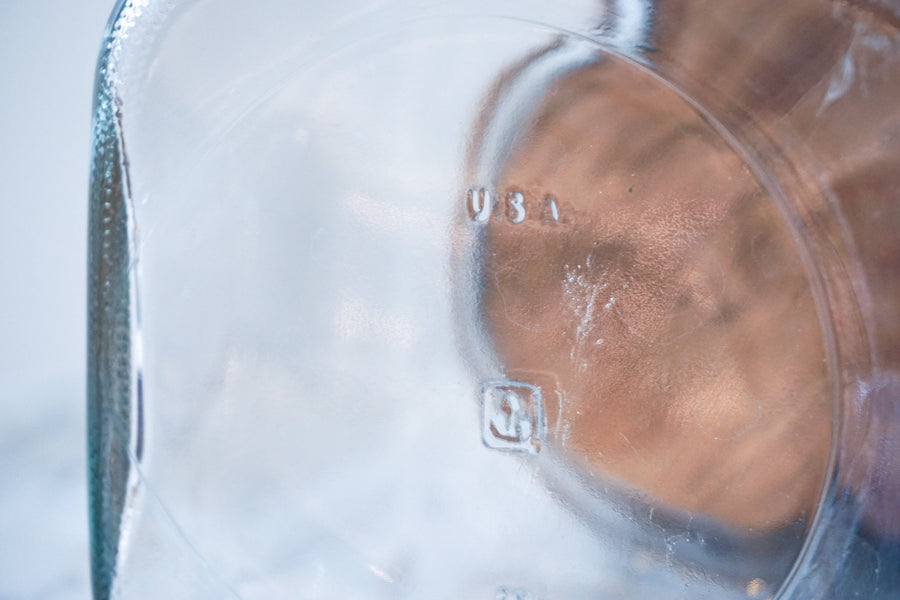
<point x="490" y="299"/>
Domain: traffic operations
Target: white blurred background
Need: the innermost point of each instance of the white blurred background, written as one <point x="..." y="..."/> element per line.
<point x="48" y="50"/>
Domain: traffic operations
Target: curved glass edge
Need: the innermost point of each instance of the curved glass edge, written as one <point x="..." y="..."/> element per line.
<point x="115" y="441"/>
<point x="110" y="317"/>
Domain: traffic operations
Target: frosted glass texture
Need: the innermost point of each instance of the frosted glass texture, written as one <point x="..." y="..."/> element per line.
<point x="496" y="300"/>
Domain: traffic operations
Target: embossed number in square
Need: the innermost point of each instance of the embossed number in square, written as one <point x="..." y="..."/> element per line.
<point x="513" y="417"/>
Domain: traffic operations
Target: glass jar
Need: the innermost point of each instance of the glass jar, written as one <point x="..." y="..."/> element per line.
<point x="493" y="299"/>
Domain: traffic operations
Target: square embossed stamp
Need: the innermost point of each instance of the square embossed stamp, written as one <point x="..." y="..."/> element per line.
<point x="513" y="416"/>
